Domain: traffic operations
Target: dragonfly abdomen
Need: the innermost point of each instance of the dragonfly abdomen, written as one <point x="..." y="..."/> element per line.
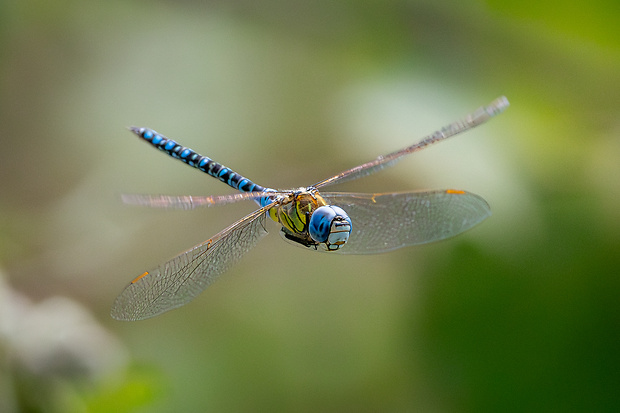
<point x="193" y="158"/>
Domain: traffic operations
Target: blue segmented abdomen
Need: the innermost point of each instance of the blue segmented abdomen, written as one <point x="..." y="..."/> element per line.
<point x="203" y="163"/>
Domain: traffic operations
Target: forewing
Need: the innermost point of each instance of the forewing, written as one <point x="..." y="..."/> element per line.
<point x="384" y="222"/>
<point x="478" y="117"/>
<point x="178" y="281"/>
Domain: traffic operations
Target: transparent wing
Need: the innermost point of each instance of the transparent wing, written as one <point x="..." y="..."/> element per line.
<point x="384" y="222"/>
<point x="192" y="202"/>
<point x="178" y="281"/>
<point x="478" y="117"/>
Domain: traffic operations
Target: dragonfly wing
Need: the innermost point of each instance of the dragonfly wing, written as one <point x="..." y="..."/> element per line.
<point x="178" y="281"/>
<point x="193" y="202"/>
<point x="478" y="117"/>
<point x="384" y="222"/>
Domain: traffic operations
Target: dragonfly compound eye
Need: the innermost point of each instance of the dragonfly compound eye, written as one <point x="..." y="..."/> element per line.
<point x="330" y="225"/>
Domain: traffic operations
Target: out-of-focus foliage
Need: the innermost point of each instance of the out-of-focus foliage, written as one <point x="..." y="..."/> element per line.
<point x="519" y="314"/>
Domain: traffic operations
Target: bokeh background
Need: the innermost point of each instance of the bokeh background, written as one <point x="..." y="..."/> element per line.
<point x="519" y="314"/>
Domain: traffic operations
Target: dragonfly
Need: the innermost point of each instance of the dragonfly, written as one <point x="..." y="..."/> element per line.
<point x="335" y="222"/>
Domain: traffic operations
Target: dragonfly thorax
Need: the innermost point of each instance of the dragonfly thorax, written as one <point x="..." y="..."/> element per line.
<point x="309" y="221"/>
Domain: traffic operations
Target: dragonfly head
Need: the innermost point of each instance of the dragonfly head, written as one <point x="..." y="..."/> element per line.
<point x="330" y="225"/>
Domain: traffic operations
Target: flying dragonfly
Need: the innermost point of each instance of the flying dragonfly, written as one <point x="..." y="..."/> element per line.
<point x="335" y="222"/>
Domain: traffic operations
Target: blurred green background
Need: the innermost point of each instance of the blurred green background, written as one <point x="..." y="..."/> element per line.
<point x="519" y="314"/>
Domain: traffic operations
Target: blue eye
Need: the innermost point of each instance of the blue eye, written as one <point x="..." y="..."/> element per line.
<point x="326" y="221"/>
<point x="320" y="222"/>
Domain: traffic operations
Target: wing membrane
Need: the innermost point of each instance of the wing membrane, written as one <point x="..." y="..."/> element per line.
<point x="384" y="222"/>
<point x="472" y="120"/>
<point x="178" y="281"/>
<point x="192" y="202"/>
